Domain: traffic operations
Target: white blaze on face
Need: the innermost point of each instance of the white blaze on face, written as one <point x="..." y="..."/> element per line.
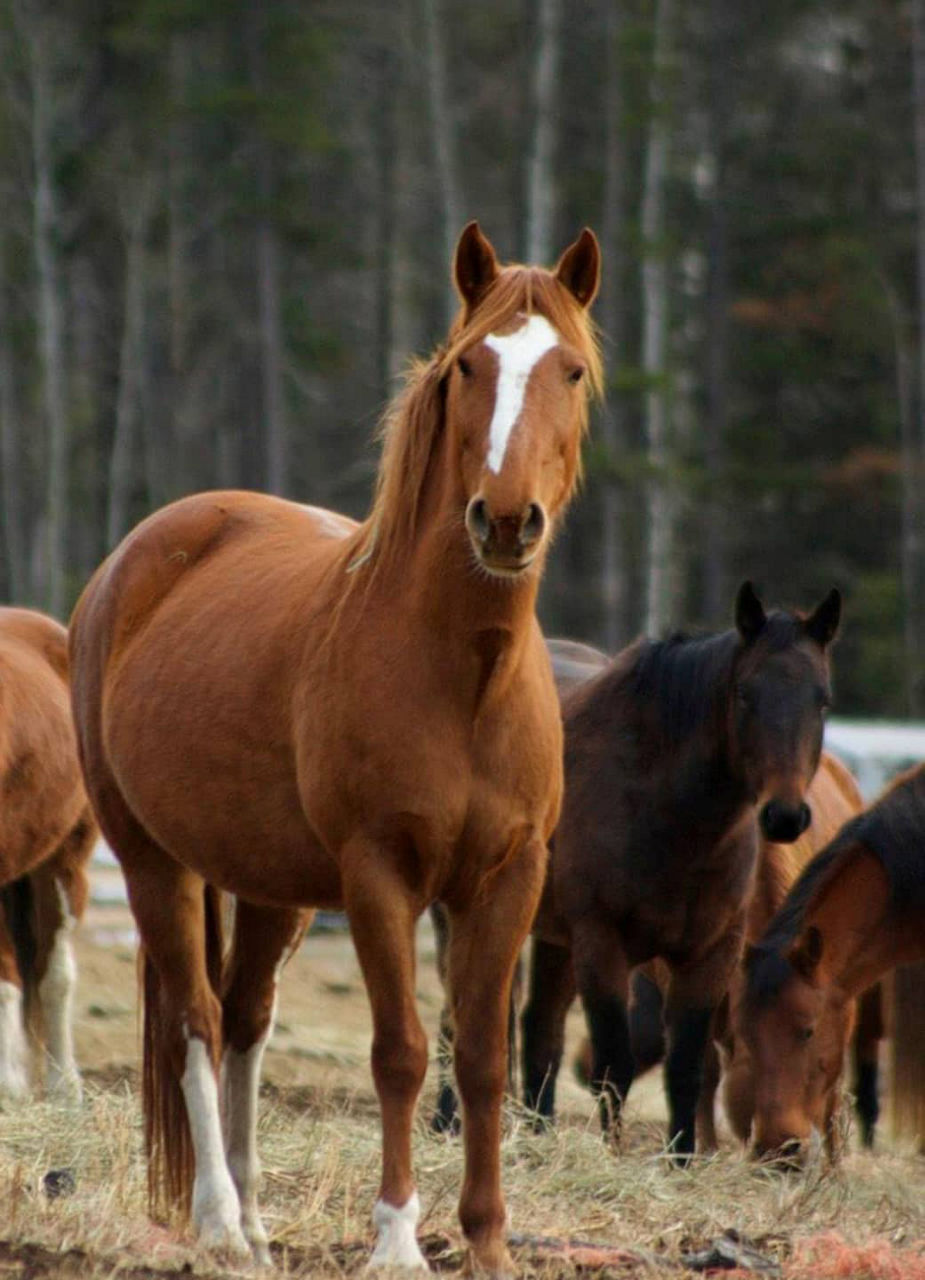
<point x="517" y="353"/>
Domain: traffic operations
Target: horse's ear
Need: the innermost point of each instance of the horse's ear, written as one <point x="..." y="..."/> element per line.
<point x="822" y="625"/>
<point x="806" y="952"/>
<point x="750" y="614"/>
<point x="475" y="267"/>
<point x="579" y="268"/>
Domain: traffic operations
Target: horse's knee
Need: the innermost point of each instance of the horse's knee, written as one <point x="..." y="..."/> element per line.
<point x="399" y="1060"/>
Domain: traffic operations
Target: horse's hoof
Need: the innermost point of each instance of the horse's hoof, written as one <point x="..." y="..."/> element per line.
<point x="490" y="1264"/>
<point x="397" y="1245"/>
<point x="449" y="1125"/>
<point x="226" y="1243"/>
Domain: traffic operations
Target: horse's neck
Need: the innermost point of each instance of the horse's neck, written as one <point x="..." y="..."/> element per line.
<point x="860" y="939"/>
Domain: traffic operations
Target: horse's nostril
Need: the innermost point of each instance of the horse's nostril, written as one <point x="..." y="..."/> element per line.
<point x="477" y="520"/>
<point x="534" y="523"/>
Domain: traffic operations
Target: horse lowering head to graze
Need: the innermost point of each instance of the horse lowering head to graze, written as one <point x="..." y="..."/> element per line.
<point x="675" y="753"/>
<point x="47" y="833"/>
<point x="274" y="701"/>
<point x="857" y="910"/>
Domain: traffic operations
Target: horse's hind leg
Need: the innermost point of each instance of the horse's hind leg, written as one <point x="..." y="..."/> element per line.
<point x="178" y="920"/>
<point x="446" y="1116"/>
<point x="60" y="889"/>
<point x="552" y="990"/>
<point x="264" y="938"/>
<point x="14" y="1079"/>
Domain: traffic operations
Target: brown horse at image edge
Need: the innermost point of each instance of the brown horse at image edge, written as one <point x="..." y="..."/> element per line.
<point x="274" y="701"/>
<point x="857" y="911"/>
<point x="47" y="834"/>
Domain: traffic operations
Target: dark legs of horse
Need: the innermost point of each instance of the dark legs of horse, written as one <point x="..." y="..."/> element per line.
<point x="602" y="977"/>
<point x="551" y="992"/>
<point x="486" y="938"/>
<point x="868" y="1032"/>
<point x="263" y="939"/>
<point x="647" y="1026"/>
<point x="446" y="1116"/>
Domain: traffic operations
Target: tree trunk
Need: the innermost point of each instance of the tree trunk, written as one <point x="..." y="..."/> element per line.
<point x="11" y="465"/>
<point x="179" y="238"/>
<point x="444" y="141"/>
<point x="46" y="232"/>
<point x="129" y="402"/>
<point x="659" y="550"/>
<point x="715" y="604"/>
<point x="612" y="312"/>
<point x="541" y="191"/>
<point x="385" y="134"/>
<point x="272" y="356"/>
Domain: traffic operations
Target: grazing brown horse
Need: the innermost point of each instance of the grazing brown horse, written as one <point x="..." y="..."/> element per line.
<point x="276" y="702"/>
<point x="670" y="753"/>
<point x="47" y="833"/>
<point x="857" y="911"/>
<point x="833" y="797"/>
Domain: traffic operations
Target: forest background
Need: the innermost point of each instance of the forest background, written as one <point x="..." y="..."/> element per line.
<point x="226" y="226"/>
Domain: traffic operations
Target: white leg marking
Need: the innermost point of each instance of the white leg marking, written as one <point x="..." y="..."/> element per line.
<point x="14" y="1081"/>
<point x="241" y="1086"/>
<point x="56" y="996"/>
<point x="397" y="1244"/>
<point x="517" y="353"/>
<point x="216" y="1209"/>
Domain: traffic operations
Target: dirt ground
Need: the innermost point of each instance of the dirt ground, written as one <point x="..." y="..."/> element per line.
<point x="574" y="1208"/>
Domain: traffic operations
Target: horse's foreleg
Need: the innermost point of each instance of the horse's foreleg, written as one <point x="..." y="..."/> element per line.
<point x="552" y="990"/>
<point x="382" y="915"/>
<point x="868" y="1032"/>
<point x="486" y="937"/>
<point x="264" y="938"/>
<point x="694" y="994"/>
<point x="602" y="975"/>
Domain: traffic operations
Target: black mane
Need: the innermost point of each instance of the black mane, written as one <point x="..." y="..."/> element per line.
<point x="686" y="676"/>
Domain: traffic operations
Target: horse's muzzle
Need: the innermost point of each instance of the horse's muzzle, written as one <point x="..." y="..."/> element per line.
<point x="505" y="544"/>
<point x="784" y="823"/>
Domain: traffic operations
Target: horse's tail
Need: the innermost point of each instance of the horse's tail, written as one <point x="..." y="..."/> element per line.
<point x="19" y="909"/>
<point x="168" y="1144"/>
<point x="907" y="1089"/>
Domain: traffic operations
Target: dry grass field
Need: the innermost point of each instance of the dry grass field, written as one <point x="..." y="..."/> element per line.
<point x="574" y="1208"/>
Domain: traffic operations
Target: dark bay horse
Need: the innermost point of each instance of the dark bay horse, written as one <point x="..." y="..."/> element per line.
<point x="47" y="833"/>
<point x="857" y="911"/>
<point x="833" y="797"/>
<point x="276" y="702"/>
<point x="671" y="753"/>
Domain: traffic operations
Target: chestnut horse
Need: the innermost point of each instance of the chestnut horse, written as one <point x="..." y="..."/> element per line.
<point x="833" y="797"/>
<point x="47" y="833"/>
<point x="857" y="911"/>
<point x="304" y="712"/>
<point x="670" y="754"/>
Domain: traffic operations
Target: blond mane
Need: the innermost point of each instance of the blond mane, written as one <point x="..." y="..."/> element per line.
<point x="411" y="424"/>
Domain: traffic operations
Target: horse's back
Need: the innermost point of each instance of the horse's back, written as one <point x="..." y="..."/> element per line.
<point x="39" y="773"/>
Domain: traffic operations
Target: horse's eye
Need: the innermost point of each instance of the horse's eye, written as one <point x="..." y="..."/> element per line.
<point x="465" y="368"/>
<point x="576" y="374"/>
<point x="804" y="1035"/>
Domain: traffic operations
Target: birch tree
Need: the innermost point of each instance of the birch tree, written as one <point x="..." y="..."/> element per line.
<point x="659" y="551"/>
<point x="544" y="105"/>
